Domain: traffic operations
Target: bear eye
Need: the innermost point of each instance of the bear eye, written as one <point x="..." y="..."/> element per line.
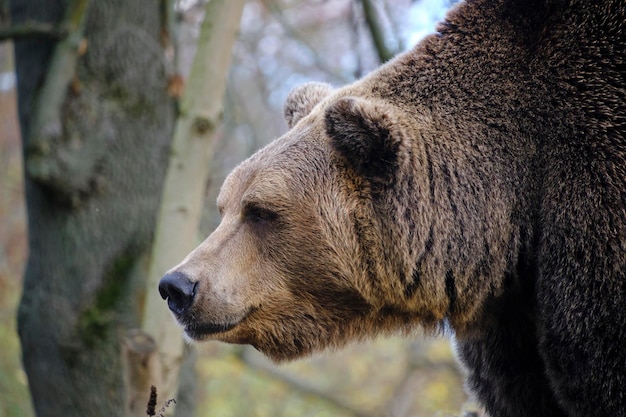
<point x="257" y="214"/>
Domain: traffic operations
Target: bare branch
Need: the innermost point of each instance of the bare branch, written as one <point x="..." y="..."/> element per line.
<point x="394" y="27"/>
<point x="354" y="38"/>
<point x="31" y="30"/>
<point x="276" y="11"/>
<point x="47" y="122"/>
<point x="297" y="383"/>
<point x="376" y="30"/>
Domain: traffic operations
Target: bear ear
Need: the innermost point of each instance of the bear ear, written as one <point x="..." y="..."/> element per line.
<point x="367" y="135"/>
<point x="302" y="99"/>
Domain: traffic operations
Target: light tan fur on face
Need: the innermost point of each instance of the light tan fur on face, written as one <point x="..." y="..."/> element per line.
<point x="244" y="270"/>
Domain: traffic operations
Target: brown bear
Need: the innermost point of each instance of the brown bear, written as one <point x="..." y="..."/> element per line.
<point x="476" y="183"/>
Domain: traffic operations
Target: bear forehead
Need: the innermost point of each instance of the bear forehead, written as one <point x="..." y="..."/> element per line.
<point x="288" y="166"/>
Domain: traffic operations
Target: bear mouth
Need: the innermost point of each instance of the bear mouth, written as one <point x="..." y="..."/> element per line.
<point x="198" y="331"/>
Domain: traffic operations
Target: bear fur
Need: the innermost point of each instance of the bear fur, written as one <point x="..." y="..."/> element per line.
<point x="475" y="183"/>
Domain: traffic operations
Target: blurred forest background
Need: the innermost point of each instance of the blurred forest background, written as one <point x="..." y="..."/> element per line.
<point x="281" y="44"/>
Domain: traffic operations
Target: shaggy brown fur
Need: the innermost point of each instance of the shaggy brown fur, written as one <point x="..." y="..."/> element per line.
<point x="478" y="180"/>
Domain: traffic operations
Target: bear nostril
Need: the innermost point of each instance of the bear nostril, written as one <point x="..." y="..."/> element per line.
<point x="178" y="290"/>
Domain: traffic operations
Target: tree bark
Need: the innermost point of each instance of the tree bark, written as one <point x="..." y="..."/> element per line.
<point x="94" y="171"/>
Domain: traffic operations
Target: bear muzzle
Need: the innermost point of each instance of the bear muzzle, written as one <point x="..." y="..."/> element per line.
<point x="179" y="291"/>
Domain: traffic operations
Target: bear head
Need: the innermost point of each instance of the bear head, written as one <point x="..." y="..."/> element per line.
<point x="313" y="249"/>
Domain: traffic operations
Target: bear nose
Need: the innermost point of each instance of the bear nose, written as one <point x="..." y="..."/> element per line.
<point x="178" y="290"/>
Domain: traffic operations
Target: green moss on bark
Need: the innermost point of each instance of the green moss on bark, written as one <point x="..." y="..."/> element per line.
<point x="95" y="322"/>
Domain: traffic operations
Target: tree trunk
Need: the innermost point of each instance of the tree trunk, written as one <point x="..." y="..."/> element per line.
<point x="95" y="157"/>
<point x="185" y="183"/>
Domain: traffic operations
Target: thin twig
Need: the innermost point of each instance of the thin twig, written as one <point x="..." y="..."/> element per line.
<point x="166" y="404"/>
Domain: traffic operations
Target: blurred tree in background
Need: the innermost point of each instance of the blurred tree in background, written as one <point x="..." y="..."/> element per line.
<point x="94" y="175"/>
<point x="96" y="121"/>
